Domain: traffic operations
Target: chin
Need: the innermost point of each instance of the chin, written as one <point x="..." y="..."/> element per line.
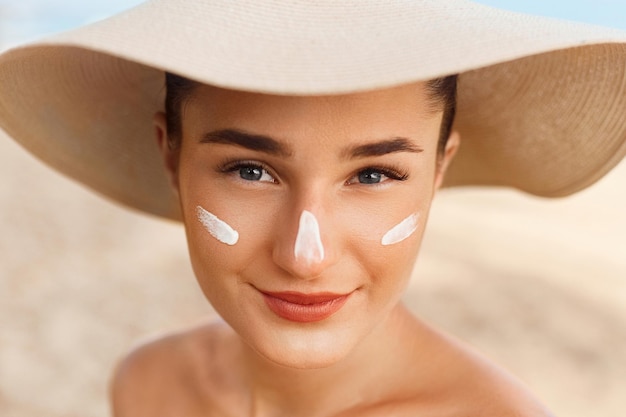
<point x="306" y="347"/>
<point x="304" y="363"/>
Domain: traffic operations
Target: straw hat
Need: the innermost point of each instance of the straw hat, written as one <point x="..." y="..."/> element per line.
<point x="542" y="103"/>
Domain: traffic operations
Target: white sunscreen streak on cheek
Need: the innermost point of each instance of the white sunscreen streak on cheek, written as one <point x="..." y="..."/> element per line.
<point x="401" y="231"/>
<point x="219" y="229"/>
<point x="308" y="241"/>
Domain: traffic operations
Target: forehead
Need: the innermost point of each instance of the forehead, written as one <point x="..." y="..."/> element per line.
<point x="399" y="111"/>
<point x="406" y="101"/>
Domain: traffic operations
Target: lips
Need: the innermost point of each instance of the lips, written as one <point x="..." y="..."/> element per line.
<point x="304" y="308"/>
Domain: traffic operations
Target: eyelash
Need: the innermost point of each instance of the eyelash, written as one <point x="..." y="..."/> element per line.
<point x="231" y="167"/>
<point x="392" y="173"/>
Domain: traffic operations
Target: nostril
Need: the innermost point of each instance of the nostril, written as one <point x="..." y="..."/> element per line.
<point x="308" y="246"/>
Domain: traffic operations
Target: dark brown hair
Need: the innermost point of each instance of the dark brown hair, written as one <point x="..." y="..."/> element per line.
<point x="441" y="90"/>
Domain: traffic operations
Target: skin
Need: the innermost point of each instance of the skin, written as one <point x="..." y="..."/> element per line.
<point x="372" y="357"/>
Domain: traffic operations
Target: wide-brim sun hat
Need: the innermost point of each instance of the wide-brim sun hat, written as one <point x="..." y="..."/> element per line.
<point x="542" y="102"/>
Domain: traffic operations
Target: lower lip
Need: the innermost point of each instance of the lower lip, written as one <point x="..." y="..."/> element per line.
<point x="304" y="313"/>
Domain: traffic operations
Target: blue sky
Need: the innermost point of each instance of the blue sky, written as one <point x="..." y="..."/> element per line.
<point x="22" y="20"/>
<point x="601" y="12"/>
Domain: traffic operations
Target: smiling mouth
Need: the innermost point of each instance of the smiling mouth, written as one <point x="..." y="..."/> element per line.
<point x="304" y="308"/>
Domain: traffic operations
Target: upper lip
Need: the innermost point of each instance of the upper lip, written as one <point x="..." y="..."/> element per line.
<point x="305" y="298"/>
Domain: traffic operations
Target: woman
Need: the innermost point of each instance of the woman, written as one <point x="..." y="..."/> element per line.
<point x="302" y="159"/>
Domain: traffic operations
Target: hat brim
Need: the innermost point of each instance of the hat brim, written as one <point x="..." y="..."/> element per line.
<point x="541" y="102"/>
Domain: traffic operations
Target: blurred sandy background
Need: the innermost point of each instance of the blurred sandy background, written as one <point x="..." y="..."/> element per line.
<point x="539" y="286"/>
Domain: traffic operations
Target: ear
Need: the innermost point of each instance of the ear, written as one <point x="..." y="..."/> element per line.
<point x="452" y="146"/>
<point x="170" y="156"/>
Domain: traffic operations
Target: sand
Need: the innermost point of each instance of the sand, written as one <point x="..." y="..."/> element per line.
<point x="537" y="285"/>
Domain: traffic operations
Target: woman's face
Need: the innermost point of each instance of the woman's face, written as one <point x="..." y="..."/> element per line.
<point x="304" y="215"/>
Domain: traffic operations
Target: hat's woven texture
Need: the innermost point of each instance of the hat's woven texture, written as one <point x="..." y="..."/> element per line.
<point x="541" y="102"/>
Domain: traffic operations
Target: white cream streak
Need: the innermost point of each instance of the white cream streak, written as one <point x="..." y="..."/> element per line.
<point x="219" y="229"/>
<point x="401" y="231"/>
<point x="308" y="241"/>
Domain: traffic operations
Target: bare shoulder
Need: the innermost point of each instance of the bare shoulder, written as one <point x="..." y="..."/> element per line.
<point x="485" y="388"/>
<point x="167" y="376"/>
<point x="496" y="393"/>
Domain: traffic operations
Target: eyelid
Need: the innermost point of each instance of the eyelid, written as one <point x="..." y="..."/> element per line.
<point x="391" y="172"/>
<point x="231" y="166"/>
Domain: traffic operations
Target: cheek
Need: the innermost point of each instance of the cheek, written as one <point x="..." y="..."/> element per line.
<point x="224" y="236"/>
<point x="218" y="223"/>
<point x="218" y="228"/>
<point x="386" y="242"/>
<point x="218" y="265"/>
<point x="388" y="224"/>
<point x="402" y="230"/>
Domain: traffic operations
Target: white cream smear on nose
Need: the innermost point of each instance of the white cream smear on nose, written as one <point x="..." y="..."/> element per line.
<point x="401" y="231"/>
<point x="219" y="229"/>
<point x="308" y="241"/>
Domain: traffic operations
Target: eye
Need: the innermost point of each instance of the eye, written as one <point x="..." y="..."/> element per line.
<point x="249" y="171"/>
<point x="252" y="173"/>
<point x="370" y="176"/>
<point x="374" y="176"/>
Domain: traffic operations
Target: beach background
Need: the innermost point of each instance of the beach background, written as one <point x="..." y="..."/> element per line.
<point x="538" y="286"/>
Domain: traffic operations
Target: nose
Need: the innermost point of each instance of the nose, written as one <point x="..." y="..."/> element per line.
<point x="308" y="247"/>
<point x="304" y="246"/>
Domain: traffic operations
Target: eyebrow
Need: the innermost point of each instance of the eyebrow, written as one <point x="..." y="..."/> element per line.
<point x="383" y="147"/>
<point x="246" y="140"/>
<point x="271" y="146"/>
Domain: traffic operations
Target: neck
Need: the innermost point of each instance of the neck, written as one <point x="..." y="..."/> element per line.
<point x="375" y="367"/>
